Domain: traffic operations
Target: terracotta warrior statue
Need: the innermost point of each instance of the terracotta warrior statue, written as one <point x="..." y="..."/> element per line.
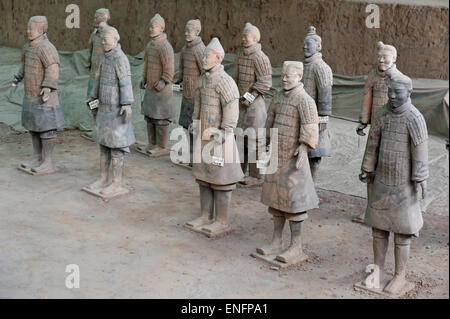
<point x="41" y="112"/>
<point x="217" y="107"/>
<point x="290" y="191"/>
<point x="190" y="69"/>
<point x="318" y="81"/>
<point x="397" y="156"/>
<point x="158" y="106"/>
<point x="375" y="96"/>
<point x="96" y="55"/>
<point x="253" y="75"/>
<point x="115" y="133"/>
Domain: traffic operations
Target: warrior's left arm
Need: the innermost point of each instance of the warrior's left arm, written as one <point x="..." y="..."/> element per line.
<point x="419" y="148"/>
<point x="229" y="99"/>
<point x="167" y="61"/>
<point x="50" y="61"/>
<point x="324" y="83"/>
<point x="309" y="123"/>
<point x="263" y="72"/>
<point x="123" y="73"/>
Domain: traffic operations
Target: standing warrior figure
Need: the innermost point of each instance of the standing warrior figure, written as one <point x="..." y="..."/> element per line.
<point x="96" y="56"/>
<point x="253" y="75"/>
<point x="290" y="191"/>
<point x="318" y="81"/>
<point x="114" y="129"/>
<point x="158" y="107"/>
<point x="41" y="112"/>
<point x="190" y="69"/>
<point x="397" y="155"/>
<point x="375" y="96"/>
<point x="217" y="108"/>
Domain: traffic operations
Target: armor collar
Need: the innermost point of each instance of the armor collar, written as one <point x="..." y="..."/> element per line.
<point x="402" y="108"/>
<point x="159" y="39"/>
<point x="383" y="74"/>
<point x="113" y="52"/>
<point x="297" y="88"/>
<point x="194" y="42"/>
<point x="38" y="40"/>
<point x="252" y="49"/>
<point x="214" y="71"/>
<point x="313" y="58"/>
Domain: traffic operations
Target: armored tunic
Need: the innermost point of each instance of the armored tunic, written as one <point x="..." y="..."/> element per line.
<point x="190" y="69"/>
<point x="253" y="72"/>
<point x="40" y="69"/>
<point x="375" y="94"/>
<point x="159" y="65"/>
<point x="96" y="56"/>
<point x="293" y="113"/>
<point x="397" y="153"/>
<point x="113" y="89"/>
<point x="318" y="81"/>
<point x="216" y="106"/>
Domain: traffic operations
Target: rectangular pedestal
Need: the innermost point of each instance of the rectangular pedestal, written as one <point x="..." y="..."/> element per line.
<point x="28" y="171"/>
<point x="250" y="182"/>
<point x="209" y="234"/>
<point x="408" y="287"/>
<point x="270" y="259"/>
<point x="89" y="138"/>
<point x="159" y="154"/>
<point x="121" y="192"/>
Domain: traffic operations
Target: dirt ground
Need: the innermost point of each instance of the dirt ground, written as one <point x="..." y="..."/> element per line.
<point x="136" y="246"/>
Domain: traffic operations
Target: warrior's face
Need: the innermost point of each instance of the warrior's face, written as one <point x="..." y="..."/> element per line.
<point x="248" y="39"/>
<point x="290" y="77"/>
<point x="398" y="94"/>
<point x="190" y="32"/>
<point x="34" y="30"/>
<point x="385" y="60"/>
<point x="109" y="41"/>
<point x="99" y="18"/>
<point x="155" y="29"/>
<point x="309" y="47"/>
<point x="210" y="59"/>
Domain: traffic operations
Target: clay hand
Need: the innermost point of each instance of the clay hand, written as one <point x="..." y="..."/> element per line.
<point x="360" y="129"/>
<point x="16" y="80"/>
<point x="364" y="177"/>
<point x="421" y="187"/>
<point x="322" y="127"/>
<point x="45" y="92"/>
<point x="302" y="154"/>
<point x="160" y="85"/>
<point x="219" y="137"/>
<point x="246" y="102"/>
<point x="143" y="84"/>
<point x="126" y="109"/>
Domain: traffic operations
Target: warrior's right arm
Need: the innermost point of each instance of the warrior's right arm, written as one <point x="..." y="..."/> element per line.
<point x="19" y="76"/>
<point x="197" y="100"/>
<point x="96" y="84"/>
<point x="370" y="159"/>
<point x="144" y="73"/>
<point x="366" y="109"/>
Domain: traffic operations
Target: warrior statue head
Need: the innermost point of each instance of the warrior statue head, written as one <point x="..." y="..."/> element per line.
<point x="399" y="89"/>
<point x="37" y="26"/>
<point x="312" y="43"/>
<point x="387" y="55"/>
<point x="157" y="25"/>
<point x="101" y="15"/>
<point x="250" y="35"/>
<point x="110" y="38"/>
<point x="291" y="74"/>
<point x="213" y="55"/>
<point x="192" y="30"/>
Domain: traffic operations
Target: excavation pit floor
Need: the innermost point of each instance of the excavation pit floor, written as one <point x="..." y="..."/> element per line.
<point x="135" y="246"/>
